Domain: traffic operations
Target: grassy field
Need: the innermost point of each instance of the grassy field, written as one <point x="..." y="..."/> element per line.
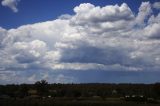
<point x="72" y="102"/>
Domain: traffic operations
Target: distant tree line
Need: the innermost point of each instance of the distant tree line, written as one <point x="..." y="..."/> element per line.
<point x="103" y="90"/>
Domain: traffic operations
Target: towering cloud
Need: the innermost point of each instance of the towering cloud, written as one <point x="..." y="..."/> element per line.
<point x="12" y="4"/>
<point x="109" y="38"/>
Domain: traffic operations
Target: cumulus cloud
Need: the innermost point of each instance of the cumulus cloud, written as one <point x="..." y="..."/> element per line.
<point x="12" y="4"/>
<point x="88" y="12"/>
<point x="29" y="52"/>
<point x="109" y="38"/>
<point x="100" y="19"/>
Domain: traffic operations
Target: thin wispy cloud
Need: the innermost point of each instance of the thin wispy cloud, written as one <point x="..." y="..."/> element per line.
<point x="156" y="5"/>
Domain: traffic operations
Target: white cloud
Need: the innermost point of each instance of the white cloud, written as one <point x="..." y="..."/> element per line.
<point x="154" y="19"/>
<point x="153" y="30"/>
<point x="88" y="12"/>
<point x="29" y="52"/>
<point x="94" y="38"/>
<point x="12" y="4"/>
<point x="50" y="32"/>
<point x="100" y="19"/>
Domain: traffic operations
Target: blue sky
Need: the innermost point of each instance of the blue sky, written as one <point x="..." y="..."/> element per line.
<point x="32" y="11"/>
<point x="79" y="41"/>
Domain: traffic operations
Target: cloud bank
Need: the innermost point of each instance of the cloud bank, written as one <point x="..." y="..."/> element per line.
<point x="12" y="4"/>
<point x="109" y="38"/>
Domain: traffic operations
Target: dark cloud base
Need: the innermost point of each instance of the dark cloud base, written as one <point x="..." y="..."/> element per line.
<point x="114" y="76"/>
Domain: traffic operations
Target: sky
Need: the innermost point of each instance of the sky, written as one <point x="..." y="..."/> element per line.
<point x="79" y="41"/>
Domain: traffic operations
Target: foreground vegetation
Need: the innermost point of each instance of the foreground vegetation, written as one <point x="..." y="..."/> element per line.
<point x="43" y="94"/>
<point x="52" y="102"/>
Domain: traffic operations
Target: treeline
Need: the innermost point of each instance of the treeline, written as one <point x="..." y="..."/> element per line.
<point x="43" y="89"/>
